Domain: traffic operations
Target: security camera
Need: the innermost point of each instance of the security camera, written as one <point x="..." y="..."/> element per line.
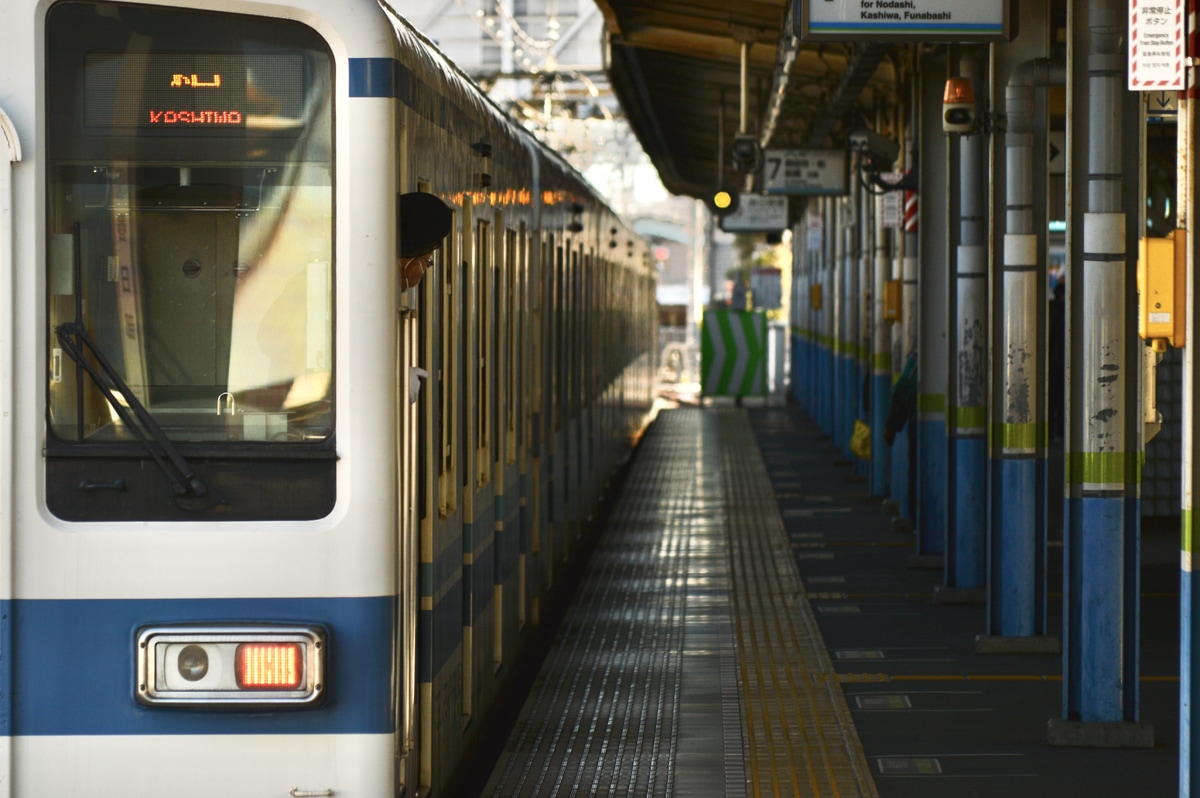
<point x="747" y="154"/>
<point x="958" y="106"/>
<point x="878" y="153"/>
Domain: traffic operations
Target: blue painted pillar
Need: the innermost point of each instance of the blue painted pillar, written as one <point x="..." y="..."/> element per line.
<point x="1017" y="530"/>
<point x="849" y="327"/>
<point x="820" y="303"/>
<point x="863" y="381"/>
<point x="812" y="280"/>
<point x="1189" y="616"/>
<point x="934" y="302"/>
<point x="881" y="366"/>
<point x="966" y="412"/>
<point x="1101" y="550"/>
<point x="841" y="410"/>
<point x="902" y="456"/>
<point x="832" y="295"/>
<point x="797" y="375"/>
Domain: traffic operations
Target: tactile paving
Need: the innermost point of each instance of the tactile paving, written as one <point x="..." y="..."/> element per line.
<point x="689" y="663"/>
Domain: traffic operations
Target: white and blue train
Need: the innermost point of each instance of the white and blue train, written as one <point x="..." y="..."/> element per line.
<point x="240" y="553"/>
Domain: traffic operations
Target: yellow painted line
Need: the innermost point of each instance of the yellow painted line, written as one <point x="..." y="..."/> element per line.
<point x="854" y="678"/>
<point x="799" y="733"/>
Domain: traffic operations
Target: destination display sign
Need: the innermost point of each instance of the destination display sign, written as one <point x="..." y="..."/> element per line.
<point x="190" y="90"/>
<point x="903" y="20"/>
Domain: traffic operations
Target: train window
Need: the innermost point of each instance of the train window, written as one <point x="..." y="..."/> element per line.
<point x="511" y="344"/>
<point x="536" y="284"/>
<point x="190" y="231"/>
<point x="449" y="382"/>
<point x="558" y="375"/>
<point x="484" y="350"/>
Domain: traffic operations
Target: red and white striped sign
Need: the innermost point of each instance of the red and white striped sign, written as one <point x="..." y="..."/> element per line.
<point x="910" y="211"/>
<point x="1156" y="45"/>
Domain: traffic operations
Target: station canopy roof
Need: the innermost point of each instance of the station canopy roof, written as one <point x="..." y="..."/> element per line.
<point x="675" y="66"/>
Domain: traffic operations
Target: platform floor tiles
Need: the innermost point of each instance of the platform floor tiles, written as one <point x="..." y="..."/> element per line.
<point x="751" y="623"/>
<point x="689" y="663"/>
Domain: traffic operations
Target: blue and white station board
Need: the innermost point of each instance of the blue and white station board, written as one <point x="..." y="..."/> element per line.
<point x="901" y="20"/>
<point x="805" y="172"/>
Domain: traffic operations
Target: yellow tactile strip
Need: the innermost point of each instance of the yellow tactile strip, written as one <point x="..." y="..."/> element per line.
<point x="797" y="730"/>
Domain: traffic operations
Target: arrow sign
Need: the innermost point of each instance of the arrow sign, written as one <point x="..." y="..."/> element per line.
<point x="1057" y="145"/>
<point x="1162" y="103"/>
<point x="733" y="353"/>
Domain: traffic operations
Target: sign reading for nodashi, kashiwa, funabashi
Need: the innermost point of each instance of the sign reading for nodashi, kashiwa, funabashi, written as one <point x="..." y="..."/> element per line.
<point x="917" y="20"/>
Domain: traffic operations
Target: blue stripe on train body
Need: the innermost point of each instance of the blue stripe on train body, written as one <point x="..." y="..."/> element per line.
<point x="74" y="666"/>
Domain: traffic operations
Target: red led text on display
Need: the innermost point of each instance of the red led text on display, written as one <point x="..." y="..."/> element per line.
<point x="196" y="117"/>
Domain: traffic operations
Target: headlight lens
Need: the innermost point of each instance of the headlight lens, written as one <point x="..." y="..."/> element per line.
<point x="193" y="663"/>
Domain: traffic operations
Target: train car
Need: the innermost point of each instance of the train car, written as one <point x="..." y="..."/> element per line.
<point x="272" y="520"/>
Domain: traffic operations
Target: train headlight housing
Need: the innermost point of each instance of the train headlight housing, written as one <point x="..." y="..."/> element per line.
<point x="192" y="663"/>
<point x="230" y="666"/>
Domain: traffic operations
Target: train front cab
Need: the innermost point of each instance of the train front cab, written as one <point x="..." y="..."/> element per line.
<point x="204" y="505"/>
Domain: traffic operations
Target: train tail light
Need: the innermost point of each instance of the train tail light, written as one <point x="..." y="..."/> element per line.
<point x="230" y="666"/>
<point x="269" y="666"/>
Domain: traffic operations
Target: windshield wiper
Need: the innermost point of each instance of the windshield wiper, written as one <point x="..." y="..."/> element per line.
<point x="183" y="480"/>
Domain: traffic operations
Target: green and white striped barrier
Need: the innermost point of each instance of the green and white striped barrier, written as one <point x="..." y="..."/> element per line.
<point x="733" y="353"/>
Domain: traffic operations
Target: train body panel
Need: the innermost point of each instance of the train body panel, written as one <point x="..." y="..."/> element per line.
<point x="250" y="763"/>
<point x="226" y="264"/>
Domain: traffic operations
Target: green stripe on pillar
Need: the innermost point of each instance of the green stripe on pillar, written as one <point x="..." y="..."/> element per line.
<point x="969" y="418"/>
<point x="1105" y="468"/>
<point x="931" y="403"/>
<point x="1016" y="436"/>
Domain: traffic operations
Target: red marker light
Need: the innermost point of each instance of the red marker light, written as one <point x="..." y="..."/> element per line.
<point x="269" y="666"/>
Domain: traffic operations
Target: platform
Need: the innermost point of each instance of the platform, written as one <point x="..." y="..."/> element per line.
<point x="750" y="625"/>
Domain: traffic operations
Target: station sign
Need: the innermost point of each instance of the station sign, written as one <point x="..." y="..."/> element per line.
<point x="805" y="172"/>
<point x="757" y="213"/>
<point x="766" y="283"/>
<point x="903" y="20"/>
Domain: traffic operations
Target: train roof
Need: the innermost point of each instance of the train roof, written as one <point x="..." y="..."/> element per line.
<point x="435" y="69"/>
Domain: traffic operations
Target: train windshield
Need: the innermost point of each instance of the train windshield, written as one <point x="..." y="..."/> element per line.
<point x="190" y="215"/>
